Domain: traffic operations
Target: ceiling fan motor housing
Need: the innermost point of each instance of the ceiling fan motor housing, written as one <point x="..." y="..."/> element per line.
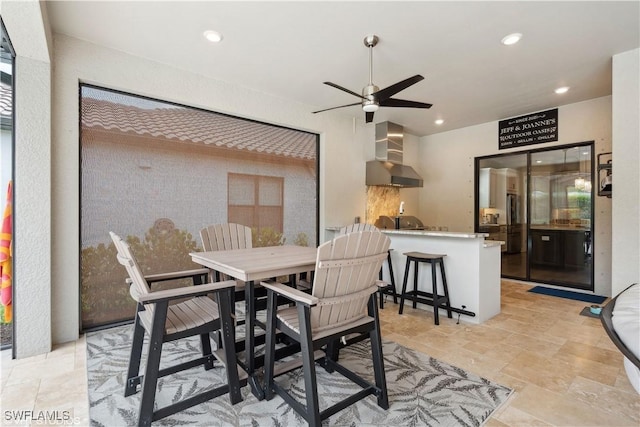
<point x="368" y="93"/>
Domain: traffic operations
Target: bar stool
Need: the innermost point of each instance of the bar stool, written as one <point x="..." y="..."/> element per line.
<point x="389" y="288"/>
<point x="433" y="299"/>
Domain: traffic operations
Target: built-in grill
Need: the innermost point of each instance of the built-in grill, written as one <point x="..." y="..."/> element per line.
<point x="402" y="222"/>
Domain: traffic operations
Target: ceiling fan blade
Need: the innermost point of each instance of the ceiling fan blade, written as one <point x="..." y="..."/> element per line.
<point x="368" y="117"/>
<point x="393" y="102"/>
<point x="333" y="108"/>
<point x="345" y="90"/>
<point x="388" y="92"/>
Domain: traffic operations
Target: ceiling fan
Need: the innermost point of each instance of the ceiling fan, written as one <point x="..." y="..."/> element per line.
<point x="372" y="96"/>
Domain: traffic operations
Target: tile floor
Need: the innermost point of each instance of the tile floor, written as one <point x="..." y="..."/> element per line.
<point x="564" y="369"/>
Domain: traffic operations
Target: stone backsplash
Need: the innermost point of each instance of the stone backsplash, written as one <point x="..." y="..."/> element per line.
<point x="381" y="201"/>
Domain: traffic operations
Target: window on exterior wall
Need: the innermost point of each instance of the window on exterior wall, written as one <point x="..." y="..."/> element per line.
<point x="155" y="173"/>
<point x="256" y="201"/>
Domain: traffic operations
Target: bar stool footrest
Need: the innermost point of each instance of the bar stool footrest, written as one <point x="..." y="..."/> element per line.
<point x="427" y="298"/>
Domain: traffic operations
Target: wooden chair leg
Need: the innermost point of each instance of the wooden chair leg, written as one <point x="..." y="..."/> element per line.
<point x="332" y="353"/>
<point x="205" y="343"/>
<point x="376" y="354"/>
<point x="415" y="284"/>
<point x="393" y="281"/>
<point x="436" y="300"/>
<point x="446" y="289"/>
<point x="308" y="366"/>
<point x="381" y="293"/>
<point x="150" y="381"/>
<point x="227" y="326"/>
<point x="404" y="287"/>
<point x="270" y="344"/>
<point x="133" y="372"/>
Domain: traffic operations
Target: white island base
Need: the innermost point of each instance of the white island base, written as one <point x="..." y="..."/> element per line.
<point x="472" y="267"/>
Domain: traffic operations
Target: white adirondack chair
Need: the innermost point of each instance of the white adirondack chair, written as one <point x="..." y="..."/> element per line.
<point x="386" y="288"/>
<point x="195" y="314"/>
<point x="220" y="237"/>
<point x="342" y="302"/>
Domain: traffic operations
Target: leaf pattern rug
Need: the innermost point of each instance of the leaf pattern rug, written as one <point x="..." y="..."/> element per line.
<point x="422" y="390"/>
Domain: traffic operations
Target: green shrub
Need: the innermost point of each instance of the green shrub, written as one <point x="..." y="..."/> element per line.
<point x="266" y="236"/>
<point x="104" y="295"/>
<point x="301" y="240"/>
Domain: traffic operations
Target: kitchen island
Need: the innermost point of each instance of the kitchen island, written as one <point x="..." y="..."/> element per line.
<point x="472" y="266"/>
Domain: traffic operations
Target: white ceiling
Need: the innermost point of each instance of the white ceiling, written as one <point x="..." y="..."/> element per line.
<point x="289" y="48"/>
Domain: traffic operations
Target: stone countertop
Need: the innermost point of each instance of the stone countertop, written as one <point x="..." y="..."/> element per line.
<point x="431" y="233"/>
<point x="453" y="234"/>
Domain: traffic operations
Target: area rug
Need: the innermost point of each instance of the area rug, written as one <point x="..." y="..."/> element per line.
<point x="422" y="390"/>
<point x="595" y="299"/>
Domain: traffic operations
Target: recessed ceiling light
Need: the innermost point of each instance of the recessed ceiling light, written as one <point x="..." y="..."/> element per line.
<point x="213" y="36"/>
<point x="538" y="161"/>
<point x="511" y="39"/>
<point x="563" y="89"/>
<point x="439" y="122"/>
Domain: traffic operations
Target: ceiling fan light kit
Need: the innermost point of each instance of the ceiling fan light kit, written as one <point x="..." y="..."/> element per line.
<point x="372" y="96"/>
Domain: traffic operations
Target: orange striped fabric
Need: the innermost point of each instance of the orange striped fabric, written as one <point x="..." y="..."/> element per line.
<point x="5" y="257"/>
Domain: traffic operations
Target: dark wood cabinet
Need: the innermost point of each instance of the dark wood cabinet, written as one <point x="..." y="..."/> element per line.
<point x="546" y="248"/>
<point x="574" y="248"/>
<point x="558" y="248"/>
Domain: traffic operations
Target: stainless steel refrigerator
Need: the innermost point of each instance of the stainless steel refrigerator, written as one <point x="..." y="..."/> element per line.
<point x="514" y="225"/>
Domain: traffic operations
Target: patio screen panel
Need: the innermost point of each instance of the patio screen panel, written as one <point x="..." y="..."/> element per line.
<point x="156" y="172"/>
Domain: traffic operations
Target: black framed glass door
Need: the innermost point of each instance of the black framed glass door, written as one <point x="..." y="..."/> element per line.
<point x="540" y="204"/>
<point x="502" y="209"/>
<point x="561" y="214"/>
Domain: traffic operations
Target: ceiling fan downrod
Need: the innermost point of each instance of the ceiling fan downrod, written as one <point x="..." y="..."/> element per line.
<point x="370" y="103"/>
<point x="370" y="41"/>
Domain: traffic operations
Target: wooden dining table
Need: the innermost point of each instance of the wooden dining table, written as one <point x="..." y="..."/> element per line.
<point x="250" y="266"/>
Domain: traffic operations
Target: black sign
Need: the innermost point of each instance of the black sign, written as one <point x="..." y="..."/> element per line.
<point x="533" y="128"/>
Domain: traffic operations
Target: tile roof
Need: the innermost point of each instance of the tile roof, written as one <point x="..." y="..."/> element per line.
<point x="198" y="126"/>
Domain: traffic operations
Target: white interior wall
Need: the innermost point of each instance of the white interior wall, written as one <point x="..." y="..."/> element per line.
<point x="625" y="263"/>
<point x="446" y="163"/>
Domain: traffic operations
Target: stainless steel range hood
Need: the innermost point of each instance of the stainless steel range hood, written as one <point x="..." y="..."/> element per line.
<point x="388" y="169"/>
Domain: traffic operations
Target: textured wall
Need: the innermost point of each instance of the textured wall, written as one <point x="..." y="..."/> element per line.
<point x="32" y="192"/>
<point x="626" y="171"/>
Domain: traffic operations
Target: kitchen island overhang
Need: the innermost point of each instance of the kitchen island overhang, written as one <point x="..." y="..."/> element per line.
<point x="472" y="266"/>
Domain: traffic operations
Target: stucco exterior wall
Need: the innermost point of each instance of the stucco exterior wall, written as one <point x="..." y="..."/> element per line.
<point x="128" y="186"/>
